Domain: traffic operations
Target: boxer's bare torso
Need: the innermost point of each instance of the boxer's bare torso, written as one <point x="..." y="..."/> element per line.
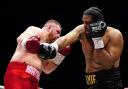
<point x="95" y="59"/>
<point x="24" y="56"/>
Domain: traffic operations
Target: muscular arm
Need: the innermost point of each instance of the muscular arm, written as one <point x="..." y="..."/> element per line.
<point x="48" y="51"/>
<point x="70" y="37"/>
<point x="108" y="56"/>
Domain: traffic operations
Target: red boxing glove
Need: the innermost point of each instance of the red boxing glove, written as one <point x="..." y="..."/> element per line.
<point x="31" y="44"/>
<point x="65" y="51"/>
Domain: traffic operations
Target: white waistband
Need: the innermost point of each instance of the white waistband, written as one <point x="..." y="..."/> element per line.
<point x="33" y="71"/>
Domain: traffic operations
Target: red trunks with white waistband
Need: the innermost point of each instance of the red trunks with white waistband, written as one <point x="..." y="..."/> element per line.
<point x="21" y="76"/>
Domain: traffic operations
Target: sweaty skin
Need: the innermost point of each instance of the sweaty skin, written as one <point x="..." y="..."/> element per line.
<point x="96" y="59"/>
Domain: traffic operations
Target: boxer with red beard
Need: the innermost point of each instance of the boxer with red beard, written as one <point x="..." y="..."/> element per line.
<point x="26" y="65"/>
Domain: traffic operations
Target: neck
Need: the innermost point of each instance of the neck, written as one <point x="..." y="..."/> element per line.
<point x="45" y="38"/>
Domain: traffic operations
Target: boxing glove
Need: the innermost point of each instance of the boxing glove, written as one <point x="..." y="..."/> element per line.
<point x="65" y="51"/>
<point x="48" y="51"/>
<point x="97" y="30"/>
<point x="31" y="44"/>
<point x="61" y="54"/>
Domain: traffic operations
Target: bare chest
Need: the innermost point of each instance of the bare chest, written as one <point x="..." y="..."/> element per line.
<point x="88" y="46"/>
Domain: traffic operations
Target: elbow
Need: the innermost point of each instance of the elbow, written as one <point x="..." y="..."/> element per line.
<point x="18" y="39"/>
<point x="47" y="72"/>
<point x="111" y="62"/>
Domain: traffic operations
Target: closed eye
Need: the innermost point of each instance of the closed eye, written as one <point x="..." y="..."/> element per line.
<point x="58" y="32"/>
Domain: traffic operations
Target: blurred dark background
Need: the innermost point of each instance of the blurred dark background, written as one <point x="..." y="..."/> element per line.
<point x="17" y="15"/>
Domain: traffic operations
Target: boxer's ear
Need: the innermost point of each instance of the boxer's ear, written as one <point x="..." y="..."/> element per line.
<point x="49" y="28"/>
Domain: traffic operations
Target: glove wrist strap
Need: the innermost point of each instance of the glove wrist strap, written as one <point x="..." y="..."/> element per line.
<point x="98" y="43"/>
<point x="58" y="59"/>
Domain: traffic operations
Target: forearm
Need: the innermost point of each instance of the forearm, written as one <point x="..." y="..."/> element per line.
<point x="103" y="56"/>
<point x="68" y="39"/>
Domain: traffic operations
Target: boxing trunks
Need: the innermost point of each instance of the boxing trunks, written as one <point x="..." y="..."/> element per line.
<point x="104" y="79"/>
<point x="21" y="76"/>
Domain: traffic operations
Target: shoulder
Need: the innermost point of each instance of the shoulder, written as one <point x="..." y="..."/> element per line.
<point x="30" y="31"/>
<point x="80" y="28"/>
<point x="33" y="28"/>
<point x="115" y="35"/>
<point x="113" y="32"/>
